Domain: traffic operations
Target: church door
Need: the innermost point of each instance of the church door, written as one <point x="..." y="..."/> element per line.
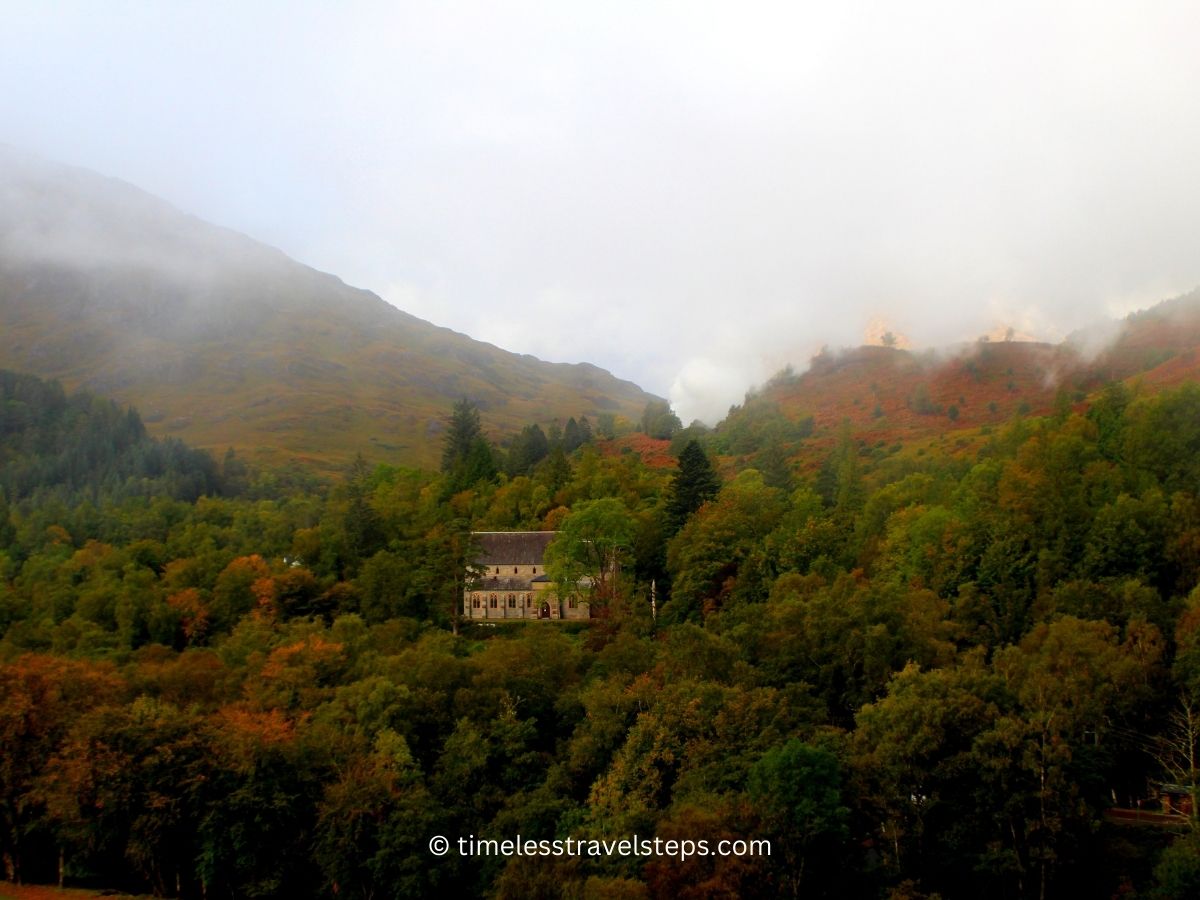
<point x="544" y="612"/>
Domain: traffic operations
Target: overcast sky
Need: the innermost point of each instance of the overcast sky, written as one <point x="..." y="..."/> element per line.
<point x="689" y="194"/>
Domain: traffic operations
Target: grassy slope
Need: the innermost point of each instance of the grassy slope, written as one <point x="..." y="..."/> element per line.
<point x="225" y="342"/>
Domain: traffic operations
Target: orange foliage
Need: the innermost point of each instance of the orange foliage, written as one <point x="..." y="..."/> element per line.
<point x="264" y="597"/>
<point x="314" y="652"/>
<point x="246" y="733"/>
<point x="654" y="453"/>
<point x="253" y="566"/>
<point x="193" y="613"/>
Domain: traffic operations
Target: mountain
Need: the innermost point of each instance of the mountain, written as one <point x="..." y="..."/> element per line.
<point x="225" y="342"/>
<point x="892" y="397"/>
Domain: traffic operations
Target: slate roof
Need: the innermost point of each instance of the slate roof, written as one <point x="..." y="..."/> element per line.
<point x="493" y="583"/>
<point x="514" y="548"/>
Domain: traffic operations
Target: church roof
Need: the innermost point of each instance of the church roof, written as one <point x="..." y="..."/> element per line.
<point x="509" y="583"/>
<point x="514" y="548"/>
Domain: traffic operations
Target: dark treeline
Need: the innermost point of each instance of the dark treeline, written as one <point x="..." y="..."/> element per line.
<point x="77" y="446"/>
<point x="921" y="672"/>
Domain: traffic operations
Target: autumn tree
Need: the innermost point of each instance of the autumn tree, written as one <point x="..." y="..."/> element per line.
<point x="718" y="555"/>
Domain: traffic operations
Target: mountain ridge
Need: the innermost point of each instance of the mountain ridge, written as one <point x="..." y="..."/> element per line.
<point x="225" y="341"/>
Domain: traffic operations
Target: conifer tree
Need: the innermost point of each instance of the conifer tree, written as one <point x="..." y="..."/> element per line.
<point x="695" y="482"/>
<point x="571" y="436"/>
<point x="461" y="436"/>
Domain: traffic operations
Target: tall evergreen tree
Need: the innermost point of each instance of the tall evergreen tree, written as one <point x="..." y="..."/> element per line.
<point x="571" y="436"/>
<point x="555" y="470"/>
<point x="695" y="482"/>
<point x="528" y="449"/>
<point x="467" y="456"/>
<point x="461" y="436"/>
<point x="364" y="530"/>
<point x="772" y="462"/>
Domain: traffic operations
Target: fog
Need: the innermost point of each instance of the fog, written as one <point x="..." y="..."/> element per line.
<point x="57" y="215"/>
<point x="691" y="195"/>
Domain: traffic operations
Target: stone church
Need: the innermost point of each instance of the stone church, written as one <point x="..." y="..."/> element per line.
<point x="513" y="582"/>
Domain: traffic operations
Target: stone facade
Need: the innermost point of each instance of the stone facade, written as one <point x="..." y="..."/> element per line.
<point x="513" y="583"/>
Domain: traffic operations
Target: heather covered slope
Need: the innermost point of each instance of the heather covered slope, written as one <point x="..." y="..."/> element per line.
<point x="896" y="397"/>
<point x="222" y="341"/>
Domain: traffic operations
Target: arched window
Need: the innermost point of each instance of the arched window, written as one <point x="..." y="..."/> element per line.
<point x="475" y="603"/>
<point x="514" y="570"/>
<point x="512" y="602"/>
<point x="571" y="603"/>
<point x="492" y="602"/>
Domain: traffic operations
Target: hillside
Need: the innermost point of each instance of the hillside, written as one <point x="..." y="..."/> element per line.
<point x="225" y="342"/>
<point x="894" y="396"/>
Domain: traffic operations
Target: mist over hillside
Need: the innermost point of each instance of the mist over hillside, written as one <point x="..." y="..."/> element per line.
<point x="224" y="341"/>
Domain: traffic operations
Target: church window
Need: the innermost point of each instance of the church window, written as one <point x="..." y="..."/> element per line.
<point x="493" y="601"/>
<point x="512" y="602"/>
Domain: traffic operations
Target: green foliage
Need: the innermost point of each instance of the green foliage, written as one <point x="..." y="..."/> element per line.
<point x="1162" y="439"/>
<point x="797" y="787"/>
<point x="695" y="482"/>
<point x="757" y="425"/>
<point x="528" y="449"/>
<point x="591" y="545"/>
<point x="79" y="446"/>
<point x="717" y="557"/>
<point x="467" y="457"/>
<point x="658" y="420"/>
<point x="916" y="676"/>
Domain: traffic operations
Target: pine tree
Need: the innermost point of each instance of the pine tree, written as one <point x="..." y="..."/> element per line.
<point x="772" y="462"/>
<point x="364" y="530"/>
<point x="555" y="470"/>
<point x="695" y="482"/>
<point x="528" y="449"/>
<point x="467" y="457"/>
<point x="571" y="436"/>
<point x="462" y="434"/>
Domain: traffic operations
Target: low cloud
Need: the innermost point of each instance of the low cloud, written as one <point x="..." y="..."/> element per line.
<point x="692" y="196"/>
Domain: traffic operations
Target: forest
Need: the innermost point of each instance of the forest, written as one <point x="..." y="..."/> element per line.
<point x="919" y="672"/>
